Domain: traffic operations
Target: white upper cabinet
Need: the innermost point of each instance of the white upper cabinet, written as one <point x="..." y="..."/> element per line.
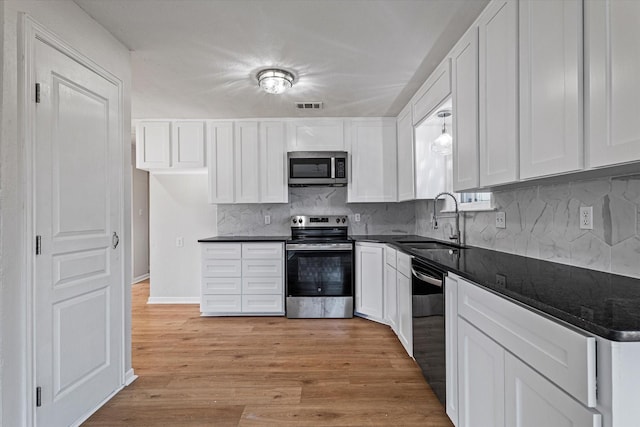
<point x="612" y="92"/>
<point x="220" y="160"/>
<point x="550" y="87"/>
<point x="406" y="178"/>
<point x="464" y="94"/>
<point x="170" y="145"/>
<point x="273" y="182"/>
<point x="246" y="162"/>
<point x="373" y="161"/>
<point x="498" y="99"/>
<point x="433" y="92"/>
<point x="187" y="144"/>
<point x="316" y="135"/>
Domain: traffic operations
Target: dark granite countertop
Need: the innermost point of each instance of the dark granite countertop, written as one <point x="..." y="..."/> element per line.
<point x="607" y="305"/>
<point x="240" y="239"/>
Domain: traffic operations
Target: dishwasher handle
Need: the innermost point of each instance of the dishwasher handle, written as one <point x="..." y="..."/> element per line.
<point x="428" y="279"/>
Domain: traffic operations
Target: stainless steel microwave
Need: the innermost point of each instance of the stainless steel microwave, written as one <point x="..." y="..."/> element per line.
<point x="328" y="168"/>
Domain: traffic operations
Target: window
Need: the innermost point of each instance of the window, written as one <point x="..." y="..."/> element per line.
<point x="474" y="201"/>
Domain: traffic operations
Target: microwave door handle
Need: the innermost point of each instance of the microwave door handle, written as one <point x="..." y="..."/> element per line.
<point x="333" y="167"/>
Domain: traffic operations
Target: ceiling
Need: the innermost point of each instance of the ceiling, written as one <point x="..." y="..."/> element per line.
<point x="199" y="58"/>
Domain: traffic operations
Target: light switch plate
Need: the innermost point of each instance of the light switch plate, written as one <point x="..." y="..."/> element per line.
<point x="267" y="219"/>
<point x="356" y="217"/>
<point x="501" y="220"/>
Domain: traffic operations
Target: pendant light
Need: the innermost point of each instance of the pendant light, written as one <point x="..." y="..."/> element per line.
<point x="275" y="80"/>
<point x="443" y="143"/>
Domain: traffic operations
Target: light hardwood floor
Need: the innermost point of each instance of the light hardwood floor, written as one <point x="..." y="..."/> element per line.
<point x="266" y="371"/>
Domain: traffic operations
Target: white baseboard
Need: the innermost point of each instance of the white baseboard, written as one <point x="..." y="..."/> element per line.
<point x="173" y="300"/>
<point x="140" y="278"/>
<point x="86" y="416"/>
<point x="129" y="377"/>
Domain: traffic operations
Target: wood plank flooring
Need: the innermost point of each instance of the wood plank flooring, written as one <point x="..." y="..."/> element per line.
<point x="266" y="371"/>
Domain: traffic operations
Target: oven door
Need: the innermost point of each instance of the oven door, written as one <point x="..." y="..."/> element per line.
<point x="320" y="270"/>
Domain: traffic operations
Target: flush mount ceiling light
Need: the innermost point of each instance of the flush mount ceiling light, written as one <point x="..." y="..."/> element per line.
<point x="443" y="143"/>
<point x="275" y="80"/>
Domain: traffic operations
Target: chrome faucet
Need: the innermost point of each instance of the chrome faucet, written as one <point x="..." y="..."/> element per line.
<point x="458" y="235"/>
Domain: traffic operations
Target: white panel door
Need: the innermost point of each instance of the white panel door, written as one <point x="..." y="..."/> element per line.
<point x="247" y="164"/>
<point x="464" y="95"/>
<point x="406" y="161"/>
<point x="315" y="135"/>
<point x="435" y="90"/>
<point x="187" y="145"/>
<point x="273" y="170"/>
<point x="532" y="401"/>
<point x="498" y="106"/>
<point x="79" y="289"/>
<point x="391" y="297"/>
<point x="612" y="92"/>
<point x="451" y="346"/>
<point x="153" y="145"/>
<point x="373" y="161"/>
<point x="369" y="281"/>
<point x="220" y="161"/>
<point x="550" y="87"/>
<point x="480" y="379"/>
<point x="405" y="307"/>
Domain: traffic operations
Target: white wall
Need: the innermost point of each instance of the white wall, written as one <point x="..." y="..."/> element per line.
<point x="139" y="222"/>
<point x="70" y="23"/>
<point x="178" y="208"/>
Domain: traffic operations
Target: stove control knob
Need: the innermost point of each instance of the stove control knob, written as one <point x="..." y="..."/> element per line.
<point x="294" y="220"/>
<point x="338" y="220"/>
<point x="344" y="220"/>
<point x="299" y="220"/>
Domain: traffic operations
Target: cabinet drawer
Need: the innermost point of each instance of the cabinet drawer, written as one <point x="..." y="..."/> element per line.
<point x="262" y="285"/>
<point x="390" y="256"/>
<point x="404" y="264"/>
<point x="262" y="268"/>
<point x="221" y="304"/>
<point x="563" y="355"/>
<point x="262" y="304"/>
<point x="262" y="250"/>
<point x="221" y="267"/>
<point x="221" y="285"/>
<point x="221" y="250"/>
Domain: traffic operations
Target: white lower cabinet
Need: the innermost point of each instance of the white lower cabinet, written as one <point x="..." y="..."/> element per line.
<point x="242" y="279"/>
<point x="369" y="280"/>
<point x="390" y="289"/>
<point x="405" y="302"/>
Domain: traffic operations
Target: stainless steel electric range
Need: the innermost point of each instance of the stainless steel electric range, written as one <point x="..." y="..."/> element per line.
<point x="319" y="280"/>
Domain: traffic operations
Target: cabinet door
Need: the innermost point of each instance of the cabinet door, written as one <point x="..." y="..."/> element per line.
<point x="435" y="90"/>
<point x="220" y="162"/>
<point x="498" y="106"/>
<point x="316" y="135"/>
<point x="153" y="145"/>
<point x="369" y="281"/>
<point x="550" y="87"/>
<point x="464" y="96"/>
<point x="480" y="379"/>
<point x="247" y="172"/>
<point x="611" y="87"/>
<point x="188" y="145"/>
<point x="273" y="182"/>
<point x="406" y="178"/>
<point x="405" y="306"/>
<point x="451" y="346"/>
<point x="532" y="401"/>
<point x="391" y="297"/>
<point x="373" y="161"/>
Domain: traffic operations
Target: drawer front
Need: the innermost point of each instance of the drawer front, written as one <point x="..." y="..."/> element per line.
<point x="561" y="354"/>
<point x="221" y="285"/>
<point x="404" y="264"/>
<point x="221" y="304"/>
<point x="390" y="256"/>
<point x="262" y="268"/>
<point x="262" y="304"/>
<point x="263" y="285"/>
<point x="221" y="250"/>
<point x="262" y="251"/>
<point x="221" y="268"/>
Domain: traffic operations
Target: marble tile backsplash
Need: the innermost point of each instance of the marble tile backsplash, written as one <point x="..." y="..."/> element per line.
<point x="375" y="218"/>
<point x="543" y="222"/>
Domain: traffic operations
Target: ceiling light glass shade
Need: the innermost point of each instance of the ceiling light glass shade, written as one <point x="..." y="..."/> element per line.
<point x="442" y="144"/>
<point x="275" y="81"/>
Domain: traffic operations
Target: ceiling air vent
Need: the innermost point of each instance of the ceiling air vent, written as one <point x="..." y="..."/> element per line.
<point x="315" y="105"/>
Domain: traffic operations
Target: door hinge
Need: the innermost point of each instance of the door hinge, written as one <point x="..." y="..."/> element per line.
<point x="38" y="397"/>
<point x="37" y="93"/>
<point x="38" y="244"/>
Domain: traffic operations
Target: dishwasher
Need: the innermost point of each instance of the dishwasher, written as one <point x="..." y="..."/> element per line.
<point x="427" y="297"/>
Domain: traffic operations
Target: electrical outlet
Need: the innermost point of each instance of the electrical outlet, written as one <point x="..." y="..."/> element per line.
<point x="267" y="219"/>
<point x="586" y="217"/>
<point x="356" y="217"/>
<point x="501" y="280"/>
<point x="179" y="242"/>
<point x="501" y="220"/>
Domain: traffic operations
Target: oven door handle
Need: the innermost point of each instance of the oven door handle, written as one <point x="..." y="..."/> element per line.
<point x="319" y="247"/>
<point x="428" y="279"/>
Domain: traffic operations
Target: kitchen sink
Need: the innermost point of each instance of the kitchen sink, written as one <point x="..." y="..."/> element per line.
<point x="428" y="244"/>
